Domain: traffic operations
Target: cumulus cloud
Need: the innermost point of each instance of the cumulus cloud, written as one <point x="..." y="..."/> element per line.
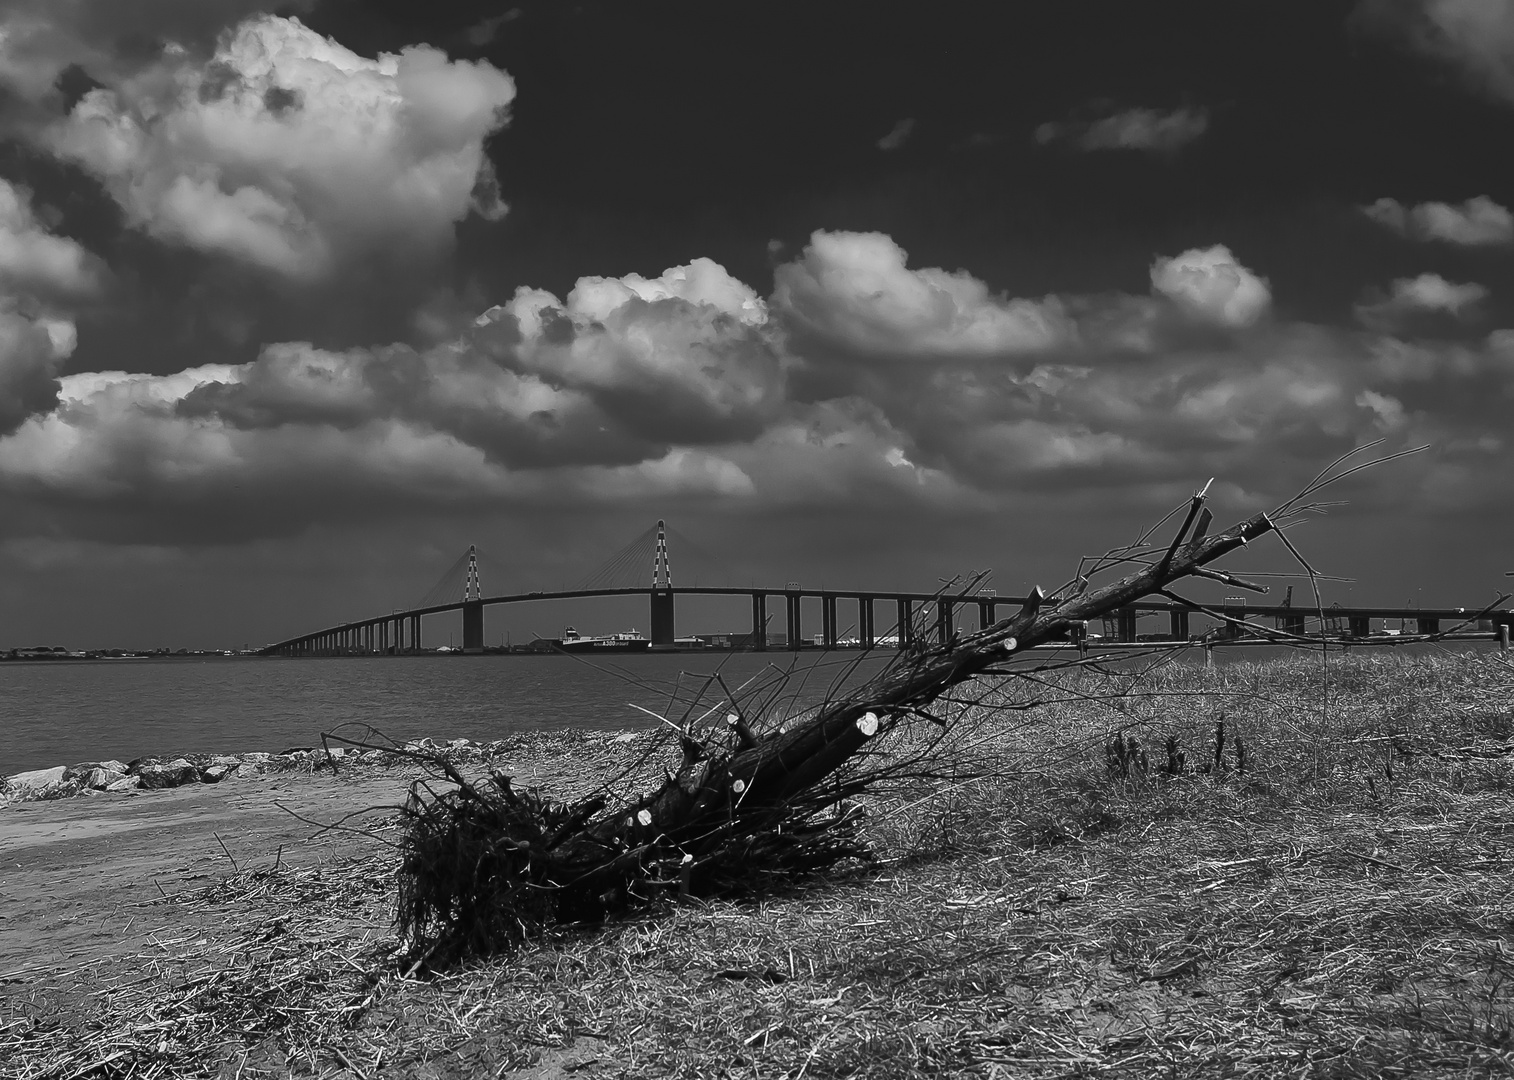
<point x="860" y="381"/>
<point x="1211" y="285"/>
<point x="42" y="39"/>
<point x="856" y="291"/>
<point x="629" y="388"/>
<point x="1149" y="130"/>
<point x="33" y="259"/>
<point x="182" y="455"/>
<point x="702" y="282"/>
<point x="288" y="151"/>
<point x="1425" y="294"/>
<point x="1478" y="221"/>
<point x="1475" y="35"/>
<point x="686" y="356"/>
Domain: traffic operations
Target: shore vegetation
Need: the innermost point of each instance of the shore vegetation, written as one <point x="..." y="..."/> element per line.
<point x="1292" y="868"/>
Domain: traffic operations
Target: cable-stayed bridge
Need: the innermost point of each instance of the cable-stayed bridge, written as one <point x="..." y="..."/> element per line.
<point x="643" y="568"/>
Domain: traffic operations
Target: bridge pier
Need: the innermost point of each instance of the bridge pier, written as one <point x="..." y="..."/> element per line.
<point x="1125" y="624"/>
<point x="1178" y="624"/>
<point x="1428" y="626"/>
<point x="664" y="631"/>
<point x="944" y="608"/>
<point x="1291" y="624"/>
<point x="865" y="622"/>
<point x="473" y="626"/>
<point x="794" y="629"/>
<point x="415" y="632"/>
<point x="828" y="620"/>
<point x="760" y="622"/>
<point x="985" y="614"/>
<point x="906" y="622"/>
<point x="1360" y="625"/>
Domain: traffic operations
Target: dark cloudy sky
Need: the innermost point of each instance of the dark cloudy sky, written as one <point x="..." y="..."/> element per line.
<point x="297" y="300"/>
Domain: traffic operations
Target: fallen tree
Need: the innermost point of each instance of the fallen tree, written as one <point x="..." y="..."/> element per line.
<point x="485" y="865"/>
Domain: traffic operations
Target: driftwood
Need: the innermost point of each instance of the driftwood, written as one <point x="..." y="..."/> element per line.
<point x="486" y="864"/>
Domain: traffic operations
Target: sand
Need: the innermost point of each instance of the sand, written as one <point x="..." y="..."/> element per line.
<point x="74" y="873"/>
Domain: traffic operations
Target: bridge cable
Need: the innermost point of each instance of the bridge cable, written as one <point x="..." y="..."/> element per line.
<point x="693" y="562"/>
<point x="449" y="587"/>
<point x="628" y="568"/>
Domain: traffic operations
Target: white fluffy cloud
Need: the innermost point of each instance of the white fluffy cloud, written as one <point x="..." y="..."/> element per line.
<point x="1211" y="285"/>
<point x="1150" y="130"/>
<point x="1425" y="294"/>
<point x="685" y="356"/>
<point x="189" y="443"/>
<point x="702" y="281"/>
<point x="39" y="39"/>
<point x="627" y="390"/>
<point x="856" y="291"/>
<point x="1478" y="221"/>
<point x="288" y="151"/>
<point x="690" y="384"/>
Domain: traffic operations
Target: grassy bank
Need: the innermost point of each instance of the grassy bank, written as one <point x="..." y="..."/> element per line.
<point x="1340" y="908"/>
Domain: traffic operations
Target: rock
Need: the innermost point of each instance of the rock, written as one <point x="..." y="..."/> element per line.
<point x="231" y="760"/>
<point x="101" y="777"/>
<point x="458" y="744"/>
<point x="175" y="773"/>
<point x="625" y="737"/>
<point x="83" y="770"/>
<point x="126" y="783"/>
<point x="252" y="764"/>
<point x="295" y="750"/>
<point x="38" y="779"/>
<point x="214" y="774"/>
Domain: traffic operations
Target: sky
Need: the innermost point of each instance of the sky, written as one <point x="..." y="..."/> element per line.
<point x="300" y="299"/>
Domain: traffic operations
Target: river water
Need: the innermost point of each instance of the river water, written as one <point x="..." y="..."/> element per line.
<point x="62" y="712"/>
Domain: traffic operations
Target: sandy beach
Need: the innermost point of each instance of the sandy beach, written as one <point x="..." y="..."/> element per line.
<point x="76" y="870"/>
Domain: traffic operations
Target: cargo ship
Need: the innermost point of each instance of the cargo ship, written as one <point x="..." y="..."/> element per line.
<point x="627" y="641"/>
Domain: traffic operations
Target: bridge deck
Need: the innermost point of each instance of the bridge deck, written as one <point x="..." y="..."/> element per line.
<point x="364" y="634"/>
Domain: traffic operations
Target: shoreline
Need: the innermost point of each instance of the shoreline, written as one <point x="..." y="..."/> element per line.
<point x="111" y="777"/>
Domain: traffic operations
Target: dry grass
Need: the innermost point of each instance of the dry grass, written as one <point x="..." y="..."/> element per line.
<point x="1344" y="908"/>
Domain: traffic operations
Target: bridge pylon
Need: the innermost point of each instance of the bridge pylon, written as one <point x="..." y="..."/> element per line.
<point x="473" y="607"/>
<point x="663" y="619"/>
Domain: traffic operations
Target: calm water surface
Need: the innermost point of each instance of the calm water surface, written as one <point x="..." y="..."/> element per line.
<point x="61" y="712"/>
